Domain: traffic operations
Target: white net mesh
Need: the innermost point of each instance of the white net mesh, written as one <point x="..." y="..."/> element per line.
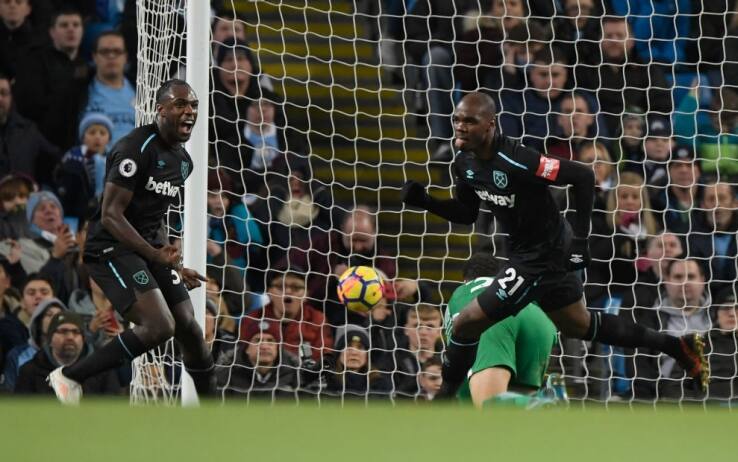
<point x="323" y="107"/>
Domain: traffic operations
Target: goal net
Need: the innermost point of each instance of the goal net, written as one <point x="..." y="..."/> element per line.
<point x="321" y="110"/>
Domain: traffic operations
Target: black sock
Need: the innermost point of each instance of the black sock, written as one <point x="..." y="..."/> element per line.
<point x="615" y="330"/>
<point x="457" y="360"/>
<point x="125" y="346"/>
<point x="204" y="377"/>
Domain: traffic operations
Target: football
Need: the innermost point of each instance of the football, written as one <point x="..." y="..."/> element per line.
<point x="360" y="288"/>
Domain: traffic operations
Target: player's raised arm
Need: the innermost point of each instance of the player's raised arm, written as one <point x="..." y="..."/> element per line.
<point x="463" y="209"/>
<point x="115" y="201"/>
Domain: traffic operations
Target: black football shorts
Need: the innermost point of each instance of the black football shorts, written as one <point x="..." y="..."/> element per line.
<point x="123" y="277"/>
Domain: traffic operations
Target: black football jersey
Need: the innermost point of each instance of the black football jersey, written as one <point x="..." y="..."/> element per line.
<point x="156" y="172"/>
<point x="515" y="185"/>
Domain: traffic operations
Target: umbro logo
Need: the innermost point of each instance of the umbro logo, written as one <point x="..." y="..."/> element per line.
<point x="161" y="164"/>
<point x="576" y="258"/>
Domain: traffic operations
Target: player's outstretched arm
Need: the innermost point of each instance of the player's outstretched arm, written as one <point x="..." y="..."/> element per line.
<point x="115" y="201"/>
<point x="463" y="209"/>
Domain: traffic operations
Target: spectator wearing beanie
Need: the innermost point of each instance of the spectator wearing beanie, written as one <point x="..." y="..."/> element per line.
<point x="81" y="176"/>
<point x="351" y="375"/>
<point x="38" y="332"/>
<point x="260" y="367"/>
<point x="23" y="148"/>
<point x="64" y="345"/>
<point x="54" y="252"/>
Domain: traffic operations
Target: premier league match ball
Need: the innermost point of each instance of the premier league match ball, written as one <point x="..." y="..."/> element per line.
<point x="360" y="288"/>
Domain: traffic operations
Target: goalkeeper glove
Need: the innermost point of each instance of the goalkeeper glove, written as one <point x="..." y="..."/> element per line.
<point x="413" y="193"/>
<point x="578" y="254"/>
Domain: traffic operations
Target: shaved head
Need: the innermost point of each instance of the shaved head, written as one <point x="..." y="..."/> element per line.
<point x="485" y="104"/>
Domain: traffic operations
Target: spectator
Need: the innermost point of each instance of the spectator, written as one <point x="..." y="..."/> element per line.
<point x="224" y="314"/>
<point x="578" y="31"/>
<point x="301" y="325"/>
<point x="528" y="114"/>
<point x="12" y="331"/>
<point x="236" y="87"/>
<point x="262" y="368"/>
<point x="38" y="329"/>
<point x="714" y="232"/>
<point x="106" y="16"/>
<point x="218" y="339"/>
<point x="354" y="244"/>
<point x="575" y="125"/>
<point x="81" y="176"/>
<point x="54" y="251"/>
<point x="661" y="249"/>
<point x="36" y="289"/>
<point x="481" y="52"/>
<point x="63" y="346"/>
<point x="422" y="331"/>
<point x="52" y="79"/>
<point x="298" y="206"/>
<point x="268" y="142"/>
<point x="616" y="75"/>
<point x="234" y="237"/>
<point x="353" y="375"/>
<point x="682" y="309"/>
<point x="658" y="146"/>
<point x="660" y="27"/>
<point x="677" y="200"/>
<point x="110" y="92"/>
<point x="713" y="132"/>
<point x="430" y="377"/>
<point x="16" y="33"/>
<point x="721" y="346"/>
<point x="23" y="149"/>
<point x="629" y="151"/>
<point x="598" y="156"/>
<point x="618" y="235"/>
<point x="14" y="192"/>
<point x="430" y="27"/>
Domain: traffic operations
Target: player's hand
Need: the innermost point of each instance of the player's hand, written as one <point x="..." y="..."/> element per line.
<point x="413" y="193"/>
<point x="578" y="254"/>
<point x="64" y="241"/>
<point x="169" y="255"/>
<point x="192" y="278"/>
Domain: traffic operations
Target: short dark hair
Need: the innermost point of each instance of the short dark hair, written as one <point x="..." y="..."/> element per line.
<point x="4" y="76"/>
<point x="682" y="259"/>
<point x="65" y="10"/>
<point x="166" y="88"/>
<point x="36" y="277"/>
<point x="434" y="360"/>
<point x="481" y="264"/>
<point x="108" y="33"/>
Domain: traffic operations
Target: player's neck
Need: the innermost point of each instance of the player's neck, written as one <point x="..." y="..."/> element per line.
<point x="168" y="138"/>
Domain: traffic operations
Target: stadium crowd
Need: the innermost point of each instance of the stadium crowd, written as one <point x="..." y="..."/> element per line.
<point x="645" y="92"/>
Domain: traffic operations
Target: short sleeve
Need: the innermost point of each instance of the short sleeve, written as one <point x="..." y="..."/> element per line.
<point x="126" y="166"/>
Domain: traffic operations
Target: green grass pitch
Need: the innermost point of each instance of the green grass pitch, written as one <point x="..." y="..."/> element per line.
<point x="109" y="431"/>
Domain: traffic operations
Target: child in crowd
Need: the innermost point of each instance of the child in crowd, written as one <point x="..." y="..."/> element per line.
<point x="81" y="175"/>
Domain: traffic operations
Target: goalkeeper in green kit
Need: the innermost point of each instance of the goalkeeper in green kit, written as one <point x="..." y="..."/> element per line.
<point x="512" y="356"/>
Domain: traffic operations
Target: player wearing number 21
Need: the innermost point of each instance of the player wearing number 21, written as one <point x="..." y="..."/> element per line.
<point x="128" y="253"/>
<point x="545" y="251"/>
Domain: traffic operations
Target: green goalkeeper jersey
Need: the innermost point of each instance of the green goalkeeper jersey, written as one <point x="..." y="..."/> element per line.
<point x="521" y="343"/>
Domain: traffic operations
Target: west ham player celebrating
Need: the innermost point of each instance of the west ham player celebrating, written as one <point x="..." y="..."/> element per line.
<point x="544" y="249"/>
<point x="129" y="255"/>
